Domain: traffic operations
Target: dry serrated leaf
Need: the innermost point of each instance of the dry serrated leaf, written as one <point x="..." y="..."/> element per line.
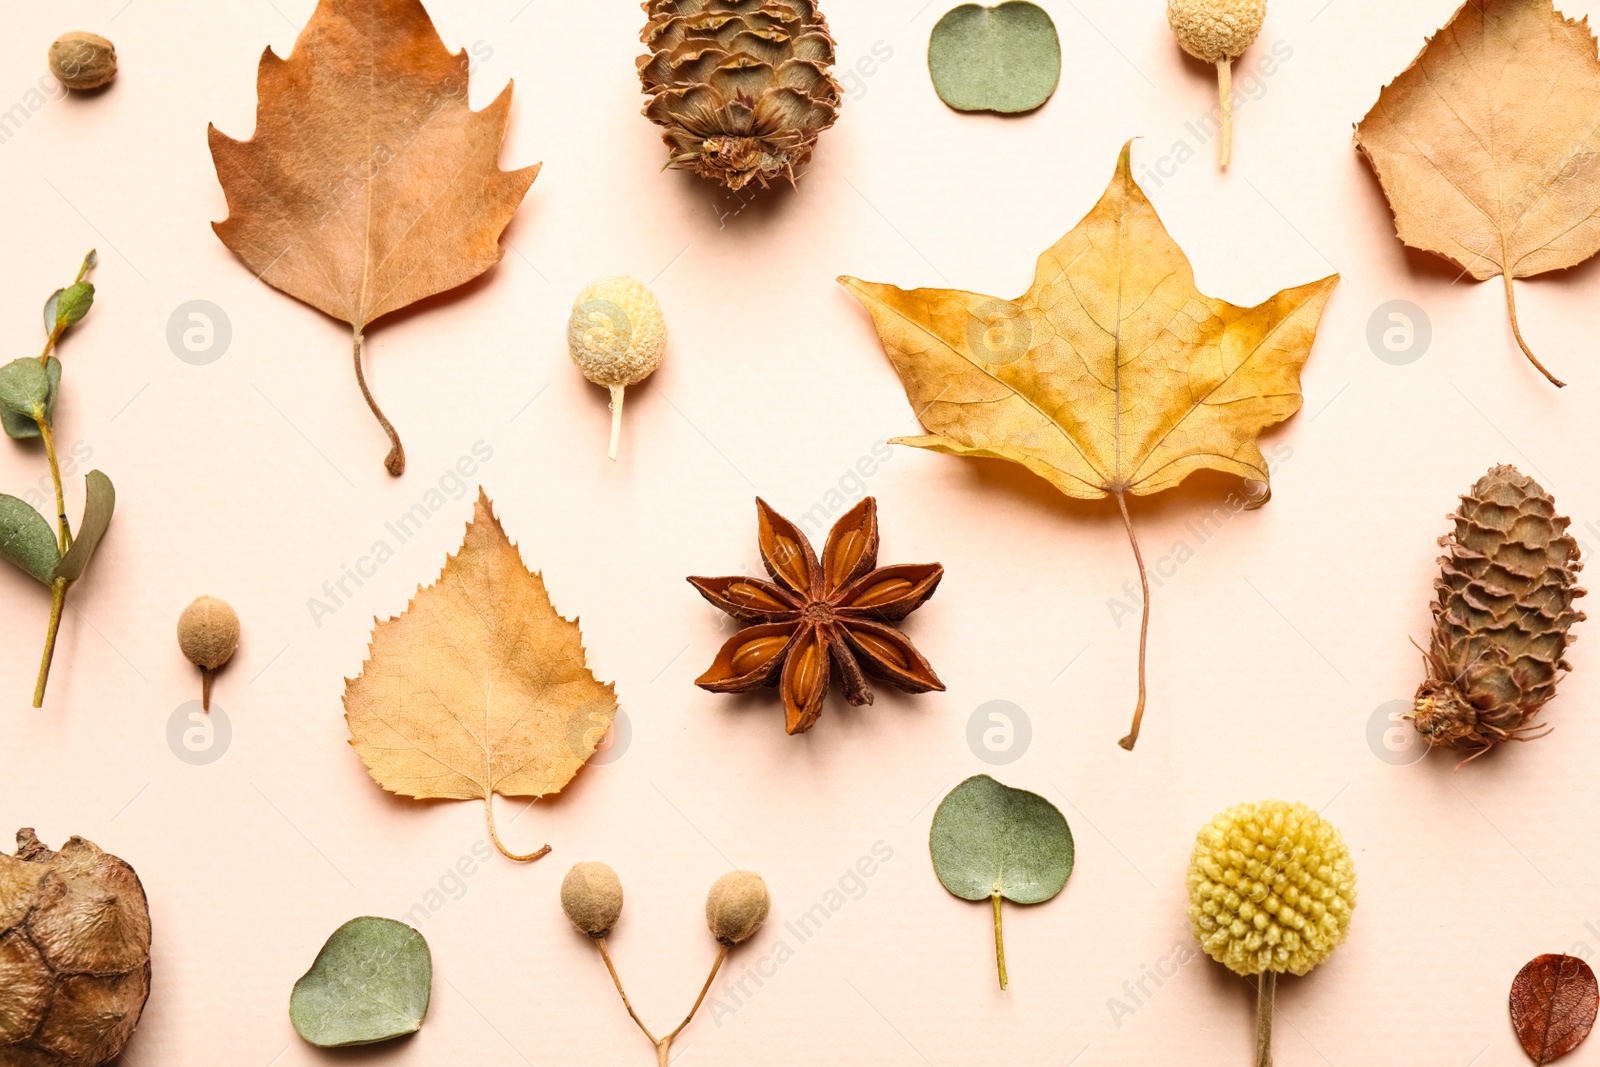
<point x="370" y="183"/>
<point x="479" y="687"/>
<point x="1112" y="375"/>
<point x="1486" y="145"/>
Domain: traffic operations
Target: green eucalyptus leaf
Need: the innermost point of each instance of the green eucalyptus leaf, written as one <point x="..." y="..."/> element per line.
<point x="25" y="387"/>
<point x="73" y="303"/>
<point x="1005" y="58"/>
<point x="23" y="426"/>
<point x="371" y="982"/>
<point x="50" y="312"/>
<point x="992" y="842"/>
<point x="26" y="539"/>
<point x="97" y="509"/>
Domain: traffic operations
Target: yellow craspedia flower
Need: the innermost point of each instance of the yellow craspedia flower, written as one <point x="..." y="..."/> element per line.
<point x="1271" y="888"/>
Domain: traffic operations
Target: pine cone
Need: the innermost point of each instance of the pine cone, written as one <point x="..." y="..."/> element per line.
<point x="741" y="86"/>
<point x="1501" y="622"/>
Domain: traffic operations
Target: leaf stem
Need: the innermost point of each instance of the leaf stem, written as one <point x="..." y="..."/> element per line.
<point x="1265" y="991"/>
<point x="1144" y="623"/>
<point x="50" y="344"/>
<point x="395" y="461"/>
<point x="488" y="808"/>
<point x="1225" y="93"/>
<point x="999" y="941"/>
<point x="63" y="528"/>
<point x="1511" y="305"/>
<point x="58" y="598"/>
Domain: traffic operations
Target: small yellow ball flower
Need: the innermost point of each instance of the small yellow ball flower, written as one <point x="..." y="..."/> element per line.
<point x="1271" y="888"/>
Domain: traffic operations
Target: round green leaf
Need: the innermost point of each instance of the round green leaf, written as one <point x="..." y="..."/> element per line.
<point x="22" y="426"/>
<point x="1005" y="58"/>
<point x="989" y="839"/>
<point x="26" y="540"/>
<point x="25" y="387"/>
<point x="73" y="303"/>
<point x="100" y="503"/>
<point x="371" y="982"/>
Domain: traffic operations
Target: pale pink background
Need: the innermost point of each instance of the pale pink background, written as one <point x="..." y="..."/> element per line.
<point x="258" y="477"/>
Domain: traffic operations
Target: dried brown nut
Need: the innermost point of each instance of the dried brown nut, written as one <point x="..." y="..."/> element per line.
<point x="74" y="954"/>
<point x="81" y="60"/>
<point x="591" y="895"/>
<point x="737" y="906"/>
<point x="208" y="633"/>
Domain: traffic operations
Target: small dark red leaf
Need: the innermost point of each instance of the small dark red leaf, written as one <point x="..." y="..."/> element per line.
<point x="1553" y="1005"/>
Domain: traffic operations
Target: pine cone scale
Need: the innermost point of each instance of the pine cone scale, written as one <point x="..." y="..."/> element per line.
<point x="1502" y="615"/>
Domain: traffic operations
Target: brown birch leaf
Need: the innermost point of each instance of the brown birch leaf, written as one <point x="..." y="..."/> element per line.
<point x="1486" y="146"/>
<point x="370" y="183"/>
<point x="1553" y="1004"/>
<point x="479" y="686"/>
<point x="1112" y="376"/>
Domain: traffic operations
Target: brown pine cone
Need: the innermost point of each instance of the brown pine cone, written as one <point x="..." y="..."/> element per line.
<point x="741" y="86"/>
<point x="1501" y="620"/>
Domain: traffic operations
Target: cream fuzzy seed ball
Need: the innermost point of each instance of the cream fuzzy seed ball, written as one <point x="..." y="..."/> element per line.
<point x="208" y="632"/>
<point x="737" y="906"/>
<point x="1215" y="30"/>
<point x="591" y="895"/>
<point x="617" y="335"/>
<point x="1271" y="888"/>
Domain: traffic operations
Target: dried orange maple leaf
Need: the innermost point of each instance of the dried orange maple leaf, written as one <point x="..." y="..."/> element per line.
<point x="370" y="183"/>
<point x="1112" y="375"/>
<point x="1486" y="145"/>
<point x="479" y="687"/>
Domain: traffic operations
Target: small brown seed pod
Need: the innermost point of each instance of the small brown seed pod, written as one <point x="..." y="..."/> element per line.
<point x="737" y="906"/>
<point x="591" y="895"/>
<point x="81" y="60"/>
<point x="208" y="633"/>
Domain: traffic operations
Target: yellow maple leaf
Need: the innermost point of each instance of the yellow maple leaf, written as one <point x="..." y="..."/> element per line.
<point x="370" y="183"/>
<point x="1486" y="145"/>
<point x="1112" y="375"/>
<point x="479" y="686"/>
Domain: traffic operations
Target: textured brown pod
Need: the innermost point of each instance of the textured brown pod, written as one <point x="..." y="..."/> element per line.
<point x="82" y="60"/>
<point x="74" y="954"/>
<point x="741" y="88"/>
<point x="1502" y="617"/>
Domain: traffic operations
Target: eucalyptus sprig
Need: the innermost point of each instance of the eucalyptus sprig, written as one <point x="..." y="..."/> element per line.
<point x="28" y="390"/>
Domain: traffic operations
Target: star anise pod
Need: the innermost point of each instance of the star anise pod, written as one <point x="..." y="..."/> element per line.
<point x="836" y="611"/>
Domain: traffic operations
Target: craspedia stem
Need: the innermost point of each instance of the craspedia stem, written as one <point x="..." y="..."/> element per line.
<point x="1266" y="989"/>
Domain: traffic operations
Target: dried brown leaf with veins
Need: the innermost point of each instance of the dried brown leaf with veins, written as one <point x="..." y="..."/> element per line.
<point x="479" y="687"/>
<point x="1486" y="145"/>
<point x="1112" y="376"/>
<point x="370" y="183"/>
